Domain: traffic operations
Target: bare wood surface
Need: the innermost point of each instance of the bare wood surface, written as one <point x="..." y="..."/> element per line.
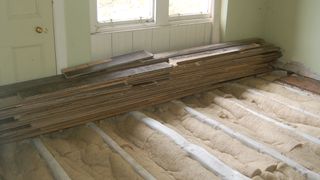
<point x="301" y="82"/>
<point x="115" y="63"/>
<point x="61" y="103"/>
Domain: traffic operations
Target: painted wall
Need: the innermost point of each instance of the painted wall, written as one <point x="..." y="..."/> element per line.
<point x="294" y="25"/>
<point x="242" y="19"/>
<point x="106" y="45"/>
<point x="78" y="31"/>
<point x="290" y="24"/>
<point x="83" y="47"/>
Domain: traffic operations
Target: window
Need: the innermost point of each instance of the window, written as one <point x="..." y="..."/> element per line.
<point x="117" y="15"/>
<point x="109" y="11"/>
<point x="189" y="7"/>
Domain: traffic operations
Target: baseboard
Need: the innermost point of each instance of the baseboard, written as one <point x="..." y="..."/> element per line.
<point x="297" y="68"/>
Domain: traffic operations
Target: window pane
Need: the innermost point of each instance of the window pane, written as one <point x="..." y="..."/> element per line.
<point x="124" y="10"/>
<point x="189" y="7"/>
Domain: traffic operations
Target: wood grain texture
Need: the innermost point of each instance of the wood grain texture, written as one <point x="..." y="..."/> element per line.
<point x="57" y="103"/>
<point x="115" y="63"/>
<point x="301" y="82"/>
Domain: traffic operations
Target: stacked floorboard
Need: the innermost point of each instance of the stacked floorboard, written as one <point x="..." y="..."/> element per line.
<point x="102" y="89"/>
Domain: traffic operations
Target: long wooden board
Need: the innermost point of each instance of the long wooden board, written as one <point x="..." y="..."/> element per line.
<point x="115" y="63"/>
<point x="58" y="103"/>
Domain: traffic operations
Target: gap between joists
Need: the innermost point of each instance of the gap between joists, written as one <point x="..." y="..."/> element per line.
<point x="54" y="166"/>
<point x="256" y="92"/>
<point x="266" y="118"/>
<point x="111" y="143"/>
<point x="249" y="142"/>
<point x="196" y="152"/>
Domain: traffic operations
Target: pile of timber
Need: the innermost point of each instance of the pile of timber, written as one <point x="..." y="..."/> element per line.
<point x="106" y="88"/>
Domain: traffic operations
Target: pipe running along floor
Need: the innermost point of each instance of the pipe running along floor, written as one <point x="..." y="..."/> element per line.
<point x="252" y="128"/>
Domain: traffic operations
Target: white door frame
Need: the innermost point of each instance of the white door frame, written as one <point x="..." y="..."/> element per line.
<point x="60" y="41"/>
<point x="216" y="30"/>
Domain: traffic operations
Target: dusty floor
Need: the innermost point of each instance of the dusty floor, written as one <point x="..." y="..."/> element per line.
<point x="84" y="155"/>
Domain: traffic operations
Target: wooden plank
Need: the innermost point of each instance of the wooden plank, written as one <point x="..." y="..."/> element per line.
<point x="119" y="76"/>
<point x="109" y="64"/>
<point x="231" y="53"/>
<point x="301" y="82"/>
<point x="188" y="51"/>
<point x="14" y="89"/>
<point x="63" y="103"/>
<point x="78" y="104"/>
<point x="9" y="101"/>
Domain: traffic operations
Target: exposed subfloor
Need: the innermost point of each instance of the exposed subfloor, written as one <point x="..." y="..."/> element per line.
<point x="252" y="128"/>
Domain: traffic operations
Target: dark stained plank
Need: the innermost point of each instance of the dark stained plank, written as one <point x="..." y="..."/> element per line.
<point x="225" y="54"/>
<point x="115" y="63"/>
<point x="14" y="89"/>
<point x="62" y="103"/>
<point x="301" y="82"/>
<point x="211" y="47"/>
<point x="9" y="101"/>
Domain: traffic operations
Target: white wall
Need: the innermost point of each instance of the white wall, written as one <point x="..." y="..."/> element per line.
<point x="106" y="45"/>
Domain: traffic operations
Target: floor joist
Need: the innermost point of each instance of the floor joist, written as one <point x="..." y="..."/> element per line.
<point x="258" y="93"/>
<point x="54" y="166"/>
<point x="249" y="142"/>
<point x="133" y="163"/>
<point x="278" y="123"/>
<point x="196" y="152"/>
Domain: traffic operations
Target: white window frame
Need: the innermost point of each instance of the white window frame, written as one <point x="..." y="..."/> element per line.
<point x="194" y="16"/>
<point x="160" y="18"/>
<point x="139" y="21"/>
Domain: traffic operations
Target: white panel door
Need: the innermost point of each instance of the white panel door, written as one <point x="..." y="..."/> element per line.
<point x="26" y="40"/>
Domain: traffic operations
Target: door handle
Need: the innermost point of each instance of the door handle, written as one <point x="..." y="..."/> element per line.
<point x="40" y="30"/>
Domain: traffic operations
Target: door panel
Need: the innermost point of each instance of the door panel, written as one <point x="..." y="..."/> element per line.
<point x="27" y="62"/>
<point x="23" y="8"/>
<point x="24" y="53"/>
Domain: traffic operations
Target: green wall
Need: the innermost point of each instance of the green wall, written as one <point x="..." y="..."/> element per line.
<point x="78" y="31"/>
<point x="242" y="19"/>
<point x="294" y="25"/>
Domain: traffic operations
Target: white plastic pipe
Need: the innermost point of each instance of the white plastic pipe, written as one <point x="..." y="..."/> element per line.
<point x="56" y="169"/>
<point x="133" y="163"/>
<point x="250" y="142"/>
<point x="198" y="153"/>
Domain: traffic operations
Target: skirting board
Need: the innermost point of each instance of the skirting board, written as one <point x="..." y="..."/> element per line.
<point x="297" y="68"/>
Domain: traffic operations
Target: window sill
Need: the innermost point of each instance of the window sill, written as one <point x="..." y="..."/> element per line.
<point x="144" y="26"/>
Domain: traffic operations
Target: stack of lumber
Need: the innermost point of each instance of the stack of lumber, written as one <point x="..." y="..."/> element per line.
<point x="102" y="89"/>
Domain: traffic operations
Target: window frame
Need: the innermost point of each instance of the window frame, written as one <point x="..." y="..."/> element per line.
<point x="137" y="21"/>
<point x="160" y="18"/>
<point x="194" y="16"/>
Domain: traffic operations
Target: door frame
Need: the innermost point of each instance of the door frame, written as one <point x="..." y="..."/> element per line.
<point x="60" y="36"/>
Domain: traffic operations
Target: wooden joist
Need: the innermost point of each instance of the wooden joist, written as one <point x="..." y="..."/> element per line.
<point x="106" y="88"/>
